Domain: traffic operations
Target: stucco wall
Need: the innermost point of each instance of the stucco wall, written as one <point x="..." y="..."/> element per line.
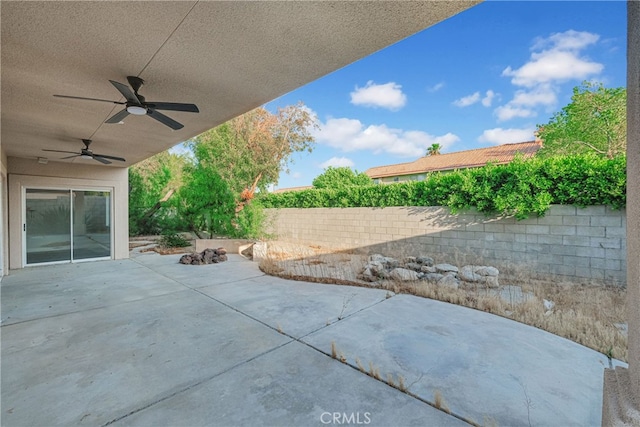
<point x="4" y="248"/>
<point x="29" y="173"/>
<point x="568" y="244"/>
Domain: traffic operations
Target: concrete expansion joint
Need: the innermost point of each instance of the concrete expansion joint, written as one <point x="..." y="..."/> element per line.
<point x="404" y="390"/>
<point x="195" y="384"/>
<point x="340" y="318"/>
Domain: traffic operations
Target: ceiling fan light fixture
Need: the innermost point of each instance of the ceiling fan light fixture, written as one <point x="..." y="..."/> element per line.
<point x="136" y="110"/>
<point x="86" y="156"/>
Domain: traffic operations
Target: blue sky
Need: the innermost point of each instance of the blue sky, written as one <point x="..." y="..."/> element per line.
<point x="483" y="77"/>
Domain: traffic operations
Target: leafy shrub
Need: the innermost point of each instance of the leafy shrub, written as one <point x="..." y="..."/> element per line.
<point x="520" y="188"/>
<point x="173" y="240"/>
<point x="341" y="177"/>
<point x="249" y="222"/>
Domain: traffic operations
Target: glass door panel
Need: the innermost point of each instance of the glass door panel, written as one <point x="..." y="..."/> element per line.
<point x="91" y="224"/>
<point x="47" y="226"/>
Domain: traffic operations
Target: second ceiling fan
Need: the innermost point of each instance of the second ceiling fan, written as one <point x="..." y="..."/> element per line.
<point x="136" y="104"/>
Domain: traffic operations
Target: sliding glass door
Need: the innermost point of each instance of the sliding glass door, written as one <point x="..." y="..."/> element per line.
<point x="91" y="224"/>
<point x="66" y="225"/>
<point x="48" y="225"/>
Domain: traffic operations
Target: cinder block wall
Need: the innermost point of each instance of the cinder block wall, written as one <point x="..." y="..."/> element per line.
<point x="568" y="244"/>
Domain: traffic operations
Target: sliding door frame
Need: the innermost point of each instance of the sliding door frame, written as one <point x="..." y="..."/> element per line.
<point x="70" y="190"/>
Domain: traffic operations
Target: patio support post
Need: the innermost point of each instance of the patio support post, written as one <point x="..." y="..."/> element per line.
<point x="621" y="397"/>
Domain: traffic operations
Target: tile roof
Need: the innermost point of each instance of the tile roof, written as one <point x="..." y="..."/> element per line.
<point x="499" y="154"/>
<point x="284" y="190"/>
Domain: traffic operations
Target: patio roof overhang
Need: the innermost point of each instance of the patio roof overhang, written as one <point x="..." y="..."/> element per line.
<point x="226" y="57"/>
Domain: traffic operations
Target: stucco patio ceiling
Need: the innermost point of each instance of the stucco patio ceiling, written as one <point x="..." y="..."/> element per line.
<point x="226" y="57"/>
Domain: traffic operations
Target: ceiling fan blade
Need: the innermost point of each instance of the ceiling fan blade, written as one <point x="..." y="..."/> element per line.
<point x="70" y="157"/>
<point x="165" y="120"/>
<point x="60" y="151"/>
<point x="110" y="157"/>
<point x="118" y="117"/>
<point x="101" y="160"/>
<point x="89" y="99"/>
<point x="126" y="92"/>
<point x="173" y="106"/>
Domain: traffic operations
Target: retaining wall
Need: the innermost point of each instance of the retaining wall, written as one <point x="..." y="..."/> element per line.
<point x="569" y="244"/>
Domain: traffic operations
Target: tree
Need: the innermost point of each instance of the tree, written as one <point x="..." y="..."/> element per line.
<point x="152" y="183"/>
<point x="595" y="121"/>
<point x="237" y="158"/>
<point x="206" y="202"/>
<point x="434" y="150"/>
<point x="340" y="177"/>
<point x="251" y="150"/>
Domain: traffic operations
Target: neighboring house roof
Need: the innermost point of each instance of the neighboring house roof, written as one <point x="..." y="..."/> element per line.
<point x="284" y="190"/>
<point x="500" y="154"/>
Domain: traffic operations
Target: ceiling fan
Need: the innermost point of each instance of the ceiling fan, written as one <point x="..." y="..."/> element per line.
<point x="137" y="105"/>
<point x="86" y="153"/>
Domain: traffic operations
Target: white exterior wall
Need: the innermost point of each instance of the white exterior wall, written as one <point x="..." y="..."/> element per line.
<point x="29" y="173"/>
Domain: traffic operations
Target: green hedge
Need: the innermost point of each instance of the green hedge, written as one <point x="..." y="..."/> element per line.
<point x="520" y="188"/>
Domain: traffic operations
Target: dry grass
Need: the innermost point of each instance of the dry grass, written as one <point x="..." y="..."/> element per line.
<point x="586" y="314"/>
<point x="439" y="402"/>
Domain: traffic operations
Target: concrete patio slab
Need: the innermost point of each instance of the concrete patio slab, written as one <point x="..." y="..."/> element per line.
<point x="67" y="288"/>
<point x="148" y="341"/>
<point x="197" y="276"/>
<point x="487" y="368"/>
<point x="86" y="368"/>
<point x="291" y="386"/>
<point x="296" y="308"/>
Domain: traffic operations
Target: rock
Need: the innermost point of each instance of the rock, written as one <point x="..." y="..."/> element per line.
<point x="467" y="274"/>
<point x="368" y="276"/>
<point x="386" y="261"/>
<point x="490" y="281"/>
<point x="403" y="275"/>
<point x="433" y="277"/>
<point x="376" y="267"/>
<point x="487" y="271"/>
<point x="409" y="260"/>
<point x="443" y="268"/>
<point x="449" y="282"/>
<point x="427" y="269"/>
<point x="425" y="260"/>
<point x="208" y="256"/>
<point x="548" y="305"/>
<point x="413" y="266"/>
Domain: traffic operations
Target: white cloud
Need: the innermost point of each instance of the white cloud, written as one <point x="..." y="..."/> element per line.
<point x="554" y="60"/>
<point x="352" y="135"/>
<point x="524" y="102"/>
<point x="569" y="40"/>
<point x="436" y="87"/>
<point x="388" y="95"/>
<point x="498" y="136"/>
<point x="338" y="162"/>
<point x="559" y="60"/>
<point x="296" y="175"/>
<point x="540" y="95"/>
<point x="465" y="101"/>
<point x="488" y="98"/>
<point x="509" y="111"/>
